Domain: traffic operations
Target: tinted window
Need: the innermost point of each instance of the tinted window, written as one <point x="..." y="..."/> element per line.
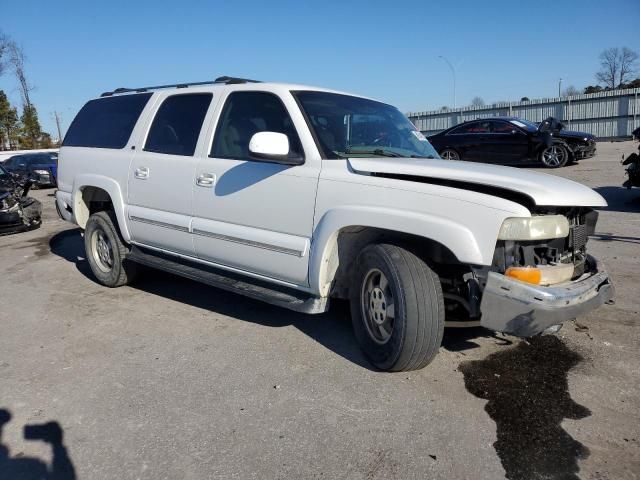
<point x="475" y="127"/>
<point x="247" y="113"/>
<point x="502" y="127"/>
<point x="106" y="122"/>
<point x="177" y="125"/>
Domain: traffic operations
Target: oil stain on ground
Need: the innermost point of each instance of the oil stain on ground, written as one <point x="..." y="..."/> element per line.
<point x="528" y="398"/>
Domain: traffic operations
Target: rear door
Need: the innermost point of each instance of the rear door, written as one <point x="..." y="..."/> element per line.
<point x="252" y="215"/>
<point x="162" y="174"/>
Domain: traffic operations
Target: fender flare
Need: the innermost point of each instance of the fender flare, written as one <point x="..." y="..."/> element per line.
<point x="322" y="267"/>
<point x="110" y="186"/>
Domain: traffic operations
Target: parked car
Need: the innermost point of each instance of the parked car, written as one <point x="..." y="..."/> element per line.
<point x="294" y="195"/>
<point x="514" y="141"/>
<point x="18" y="211"/>
<point x="41" y="168"/>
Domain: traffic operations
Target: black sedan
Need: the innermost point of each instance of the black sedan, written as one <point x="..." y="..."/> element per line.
<point x="514" y="141"/>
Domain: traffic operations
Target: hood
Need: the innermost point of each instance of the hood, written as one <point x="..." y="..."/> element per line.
<point x="573" y="134"/>
<point x="543" y="189"/>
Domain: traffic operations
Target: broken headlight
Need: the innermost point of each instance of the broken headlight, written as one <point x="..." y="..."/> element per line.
<point x="7" y="202"/>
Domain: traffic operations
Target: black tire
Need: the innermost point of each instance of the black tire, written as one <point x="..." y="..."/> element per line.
<point x="102" y="241"/>
<point x="555" y="156"/>
<point x="413" y="315"/>
<point x="450" y="154"/>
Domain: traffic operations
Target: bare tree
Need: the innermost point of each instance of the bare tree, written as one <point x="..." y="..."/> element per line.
<point x="570" y="91"/>
<point x="4" y="48"/>
<point x="617" y="65"/>
<point x="16" y="59"/>
<point x="628" y="59"/>
<point x="477" y="102"/>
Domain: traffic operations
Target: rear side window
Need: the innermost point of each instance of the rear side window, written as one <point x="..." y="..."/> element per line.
<point x="177" y="125"/>
<point x="106" y="122"/>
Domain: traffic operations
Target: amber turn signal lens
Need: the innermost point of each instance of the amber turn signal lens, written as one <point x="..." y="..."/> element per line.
<point x="525" y="274"/>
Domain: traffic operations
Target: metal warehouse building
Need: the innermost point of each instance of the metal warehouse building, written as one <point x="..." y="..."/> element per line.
<point x="613" y="114"/>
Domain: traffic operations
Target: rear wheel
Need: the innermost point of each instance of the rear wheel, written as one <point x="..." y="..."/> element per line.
<point x="106" y="251"/>
<point x="397" y="308"/>
<point x="450" y="154"/>
<point x="555" y="156"/>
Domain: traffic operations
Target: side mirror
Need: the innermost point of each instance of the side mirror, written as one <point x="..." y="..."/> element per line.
<point x="272" y="147"/>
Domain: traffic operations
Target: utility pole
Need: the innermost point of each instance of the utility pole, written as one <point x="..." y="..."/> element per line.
<point x="559" y="87"/>
<point x="453" y="71"/>
<point x="56" y="115"/>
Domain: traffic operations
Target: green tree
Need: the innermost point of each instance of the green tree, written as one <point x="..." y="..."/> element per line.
<point x="31" y="130"/>
<point x="593" y="89"/>
<point x="9" y="125"/>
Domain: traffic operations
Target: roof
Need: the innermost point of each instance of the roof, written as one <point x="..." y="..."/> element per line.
<point x="219" y="83"/>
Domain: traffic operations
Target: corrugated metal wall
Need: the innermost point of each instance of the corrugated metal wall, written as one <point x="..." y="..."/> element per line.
<point x="606" y="114"/>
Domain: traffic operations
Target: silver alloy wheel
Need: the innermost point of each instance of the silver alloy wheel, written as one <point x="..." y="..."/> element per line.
<point x="449" y="155"/>
<point x="378" y="309"/>
<point x="102" y="250"/>
<point x="554" y="156"/>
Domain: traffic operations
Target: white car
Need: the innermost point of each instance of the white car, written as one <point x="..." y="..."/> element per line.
<point x="295" y="195"/>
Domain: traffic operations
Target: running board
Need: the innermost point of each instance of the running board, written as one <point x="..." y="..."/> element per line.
<point x="229" y="281"/>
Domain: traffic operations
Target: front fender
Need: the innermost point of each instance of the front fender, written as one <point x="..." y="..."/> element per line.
<point x="81" y="212"/>
<point x="458" y="238"/>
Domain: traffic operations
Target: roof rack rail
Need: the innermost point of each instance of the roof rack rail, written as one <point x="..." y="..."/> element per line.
<point x="231" y="80"/>
<point x="225" y="79"/>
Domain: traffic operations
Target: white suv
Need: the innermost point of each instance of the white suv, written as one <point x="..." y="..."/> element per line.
<point x="293" y="195"/>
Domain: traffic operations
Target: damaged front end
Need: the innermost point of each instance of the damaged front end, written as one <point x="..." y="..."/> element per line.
<point x="632" y="163"/>
<point x="18" y="211"/>
<point x="535" y="285"/>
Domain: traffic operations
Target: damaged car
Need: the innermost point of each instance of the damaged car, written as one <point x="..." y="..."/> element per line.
<point x="632" y="162"/>
<point x="514" y="141"/>
<point x="18" y="211"/>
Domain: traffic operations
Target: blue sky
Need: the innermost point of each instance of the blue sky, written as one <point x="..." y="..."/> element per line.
<point x="383" y="49"/>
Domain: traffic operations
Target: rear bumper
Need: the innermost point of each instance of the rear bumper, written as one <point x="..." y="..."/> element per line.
<point x="63" y="206"/>
<point x="524" y="310"/>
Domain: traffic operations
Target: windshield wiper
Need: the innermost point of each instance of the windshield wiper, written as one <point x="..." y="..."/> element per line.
<point x="377" y="151"/>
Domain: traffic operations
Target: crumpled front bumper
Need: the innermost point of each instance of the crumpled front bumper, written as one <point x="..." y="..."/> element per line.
<point x="524" y="310"/>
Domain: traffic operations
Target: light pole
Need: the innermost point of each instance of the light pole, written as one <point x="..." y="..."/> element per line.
<point x="453" y="71"/>
<point x="559" y="87"/>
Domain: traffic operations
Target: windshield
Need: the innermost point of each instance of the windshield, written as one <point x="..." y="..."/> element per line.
<point x="526" y="124"/>
<point x="346" y="126"/>
<point x="43" y="158"/>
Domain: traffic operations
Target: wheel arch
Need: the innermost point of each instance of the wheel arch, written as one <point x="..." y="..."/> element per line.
<point x="93" y="193"/>
<point x="343" y="232"/>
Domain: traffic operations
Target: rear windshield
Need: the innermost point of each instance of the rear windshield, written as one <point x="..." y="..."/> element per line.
<point x="106" y="122"/>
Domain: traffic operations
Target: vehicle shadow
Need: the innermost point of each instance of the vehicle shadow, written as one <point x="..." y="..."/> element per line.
<point x="27" y="468"/>
<point x="620" y="199"/>
<point x="527" y="393"/>
<point x="331" y="329"/>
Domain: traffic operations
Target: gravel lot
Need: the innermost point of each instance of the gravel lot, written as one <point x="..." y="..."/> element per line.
<point x="171" y="379"/>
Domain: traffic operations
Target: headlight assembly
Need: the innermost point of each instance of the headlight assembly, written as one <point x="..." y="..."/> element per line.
<point x="543" y="227"/>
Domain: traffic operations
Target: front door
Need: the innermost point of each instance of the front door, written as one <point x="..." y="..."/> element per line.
<point x="251" y="215"/>
<point x="507" y="144"/>
<point x="162" y="175"/>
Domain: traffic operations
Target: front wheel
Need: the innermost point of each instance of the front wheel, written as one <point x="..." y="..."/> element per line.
<point x="449" y="154"/>
<point x="397" y="308"/>
<point x="106" y="251"/>
<point x="555" y="156"/>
